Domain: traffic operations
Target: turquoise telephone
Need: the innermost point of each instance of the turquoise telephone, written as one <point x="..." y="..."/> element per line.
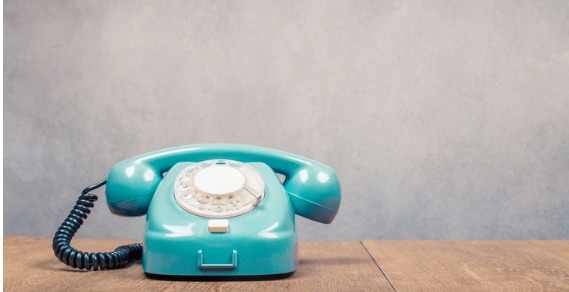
<point x="211" y="210"/>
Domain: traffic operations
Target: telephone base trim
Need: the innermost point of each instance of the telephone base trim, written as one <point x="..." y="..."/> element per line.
<point x="229" y="278"/>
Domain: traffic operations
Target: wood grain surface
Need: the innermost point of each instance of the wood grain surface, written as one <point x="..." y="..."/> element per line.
<point x="29" y="265"/>
<point x="371" y="265"/>
<point x="473" y="265"/>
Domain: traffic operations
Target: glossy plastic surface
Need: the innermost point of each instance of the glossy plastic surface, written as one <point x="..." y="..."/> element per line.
<point x="260" y="242"/>
<point x="313" y="188"/>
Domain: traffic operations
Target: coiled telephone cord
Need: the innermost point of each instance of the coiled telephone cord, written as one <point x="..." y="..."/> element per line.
<point x="121" y="256"/>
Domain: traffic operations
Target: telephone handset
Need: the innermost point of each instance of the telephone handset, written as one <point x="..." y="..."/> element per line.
<point x="209" y="207"/>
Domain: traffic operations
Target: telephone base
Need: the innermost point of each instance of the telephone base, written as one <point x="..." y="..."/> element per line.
<point x="260" y="242"/>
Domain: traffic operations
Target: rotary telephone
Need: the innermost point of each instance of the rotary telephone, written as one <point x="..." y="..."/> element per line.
<point x="211" y="210"/>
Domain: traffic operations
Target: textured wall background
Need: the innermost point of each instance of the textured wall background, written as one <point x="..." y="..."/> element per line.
<point x="444" y="120"/>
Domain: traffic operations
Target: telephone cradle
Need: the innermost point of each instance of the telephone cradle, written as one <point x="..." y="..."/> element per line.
<point x="211" y="210"/>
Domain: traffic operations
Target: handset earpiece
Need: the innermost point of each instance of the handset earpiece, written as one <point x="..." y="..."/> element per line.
<point x="315" y="193"/>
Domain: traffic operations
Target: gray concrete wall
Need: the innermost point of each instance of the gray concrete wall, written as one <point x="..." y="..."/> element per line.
<point x="443" y="119"/>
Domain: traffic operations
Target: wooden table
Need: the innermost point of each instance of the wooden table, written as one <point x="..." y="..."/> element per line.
<point x="369" y="265"/>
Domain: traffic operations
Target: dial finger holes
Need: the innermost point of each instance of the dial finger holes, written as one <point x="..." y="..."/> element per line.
<point x="218" y="188"/>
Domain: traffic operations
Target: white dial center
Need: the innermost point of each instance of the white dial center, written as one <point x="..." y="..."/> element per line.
<point x="219" y="180"/>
